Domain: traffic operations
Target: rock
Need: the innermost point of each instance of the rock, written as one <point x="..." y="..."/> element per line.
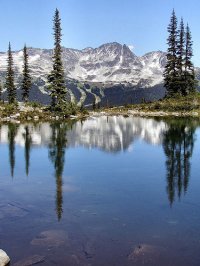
<point x="146" y="254"/>
<point x="73" y="116"/>
<point x="35" y="259"/>
<point x="4" y="259"/>
<point x="195" y="114"/>
<point x="26" y="109"/>
<point x="51" y="238"/>
<point x="36" y="117"/>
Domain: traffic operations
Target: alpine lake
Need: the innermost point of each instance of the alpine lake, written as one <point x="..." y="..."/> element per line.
<point x="104" y="191"/>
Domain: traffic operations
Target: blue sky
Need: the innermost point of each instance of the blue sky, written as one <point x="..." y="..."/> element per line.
<point x="139" y="23"/>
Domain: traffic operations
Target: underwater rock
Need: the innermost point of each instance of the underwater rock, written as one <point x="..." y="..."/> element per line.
<point x="35" y="259"/>
<point x="146" y="254"/>
<point x="51" y="238"/>
<point x="4" y="259"/>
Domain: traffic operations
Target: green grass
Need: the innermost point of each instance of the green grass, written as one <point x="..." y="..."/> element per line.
<point x="176" y="104"/>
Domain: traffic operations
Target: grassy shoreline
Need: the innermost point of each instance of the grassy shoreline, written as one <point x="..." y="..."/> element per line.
<point x="188" y="106"/>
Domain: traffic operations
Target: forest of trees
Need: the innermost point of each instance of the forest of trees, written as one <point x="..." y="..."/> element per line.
<point x="179" y="76"/>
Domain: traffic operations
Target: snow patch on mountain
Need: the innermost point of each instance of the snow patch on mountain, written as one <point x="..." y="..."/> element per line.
<point x="111" y="63"/>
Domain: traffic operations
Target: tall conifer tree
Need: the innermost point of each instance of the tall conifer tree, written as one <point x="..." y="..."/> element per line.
<point x="10" y="86"/>
<point x="0" y="92"/>
<point x="26" y="82"/>
<point x="170" y="73"/>
<point x="56" y="78"/>
<point x="189" y="67"/>
<point x="181" y="58"/>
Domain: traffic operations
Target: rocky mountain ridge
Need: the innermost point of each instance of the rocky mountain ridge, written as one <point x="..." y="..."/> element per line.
<point x="110" y="73"/>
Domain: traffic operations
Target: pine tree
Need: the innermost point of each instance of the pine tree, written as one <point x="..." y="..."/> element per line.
<point x="170" y="73"/>
<point x="26" y="82"/>
<point x="180" y="58"/>
<point x="189" y="74"/>
<point x="56" y="78"/>
<point x="0" y="92"/>
<point x="10" y="86"/>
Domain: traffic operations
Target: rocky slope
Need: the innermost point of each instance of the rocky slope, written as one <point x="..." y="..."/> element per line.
<point x="110" y="73"/>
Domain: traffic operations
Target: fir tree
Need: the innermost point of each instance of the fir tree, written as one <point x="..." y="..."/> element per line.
<point x="0" y="92"/>
<point x="170" y="73"/>
<point x="10" y="86"/>
<point x="189" y="74"/>
<point x="180" y="58"/>
<point x="26" y="82"/>
<point x="56" y="77"/>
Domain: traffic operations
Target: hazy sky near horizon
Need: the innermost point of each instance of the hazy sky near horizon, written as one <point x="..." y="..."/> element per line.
<point x="141" y="24"/>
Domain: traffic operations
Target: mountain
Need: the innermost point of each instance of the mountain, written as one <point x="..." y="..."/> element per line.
<point x="111" y="73"/>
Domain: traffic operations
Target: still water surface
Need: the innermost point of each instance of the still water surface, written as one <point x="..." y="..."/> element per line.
<point x="105" y="191"/>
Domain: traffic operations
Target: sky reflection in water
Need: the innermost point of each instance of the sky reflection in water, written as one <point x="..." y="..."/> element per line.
<point x="110" y="183"/>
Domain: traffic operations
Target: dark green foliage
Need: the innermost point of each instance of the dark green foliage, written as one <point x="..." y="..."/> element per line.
<point x="171" y="73"/>
<point x="26" y="81"/>
<point x="10" y="86"/>
<point x="180" y="59"/>
<point x="0" y="92"/>
<point x="94" y="105"/>
<point x="12" y="132"/>
<point x="56" y="78"/>
<point x="179" y="76"/>
<point x="190" y="82"/>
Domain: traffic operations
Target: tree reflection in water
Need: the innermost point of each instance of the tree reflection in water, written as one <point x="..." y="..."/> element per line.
<point x="27" y="148"/>
<point x="178" y="143"/>
<point x="57" y="156"/>
<point x="12" y="132"/>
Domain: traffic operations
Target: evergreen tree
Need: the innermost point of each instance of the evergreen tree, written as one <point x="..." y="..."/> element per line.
<point x="189" y="67"/>
<point x="171" y="73"/>
<point x="10" y="86"/>
<point x="26" y="82"/>
<point x="0" y="92"/>
<point x="181" y="58"/>
<point x="56" y="77"/>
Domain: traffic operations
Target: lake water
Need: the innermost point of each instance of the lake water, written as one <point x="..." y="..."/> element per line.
<point x="104" y="191"/>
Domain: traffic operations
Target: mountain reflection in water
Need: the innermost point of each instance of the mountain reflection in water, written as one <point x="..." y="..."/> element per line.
<point x="109" y="134"/>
